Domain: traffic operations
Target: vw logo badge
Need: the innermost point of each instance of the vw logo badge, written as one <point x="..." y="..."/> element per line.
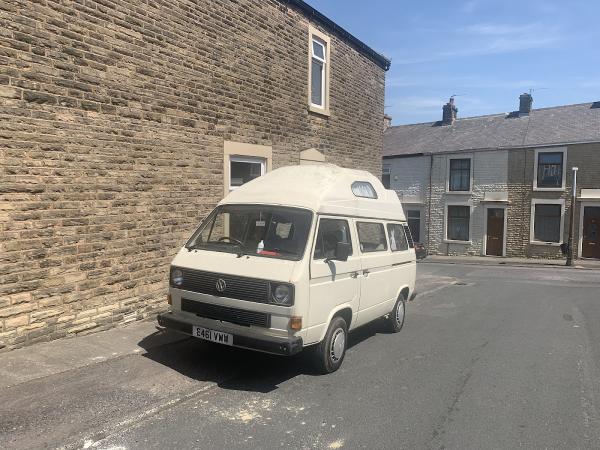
<point x="221" y="285"/>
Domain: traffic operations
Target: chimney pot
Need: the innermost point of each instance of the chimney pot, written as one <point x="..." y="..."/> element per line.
<point x="450" y="112"/>
<point x="387" y="121"/>
<point x="525" y="102"/>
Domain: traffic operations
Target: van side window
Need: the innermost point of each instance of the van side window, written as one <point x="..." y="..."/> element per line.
<point x="411" y="243"/>
<point x="397" y="237"/>
<point x="371" y="236"/>
<point x="331" y="231"/>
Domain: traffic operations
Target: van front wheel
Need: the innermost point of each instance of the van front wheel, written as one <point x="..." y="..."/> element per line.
<point x="395" y="319"/>
<point x="330" y="352"/>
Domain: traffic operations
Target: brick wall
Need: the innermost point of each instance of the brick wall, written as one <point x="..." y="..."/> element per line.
<point x="113" y="116"/>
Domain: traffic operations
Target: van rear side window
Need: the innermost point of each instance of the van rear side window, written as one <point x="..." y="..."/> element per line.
<point x="371" y="236"/>
<point x="397" y="237"/>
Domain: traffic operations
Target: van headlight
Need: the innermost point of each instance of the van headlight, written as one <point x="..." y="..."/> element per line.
<point x="176" y="277"/>
<point x="282" y="294"/>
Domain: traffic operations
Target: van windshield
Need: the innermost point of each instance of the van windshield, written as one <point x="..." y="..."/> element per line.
<point x="270" y="231"/>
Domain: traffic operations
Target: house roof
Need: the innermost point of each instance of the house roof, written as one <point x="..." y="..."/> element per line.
<point x="546" y="126"/>
<point x="323" y="188"/>
<point x="311" y="12"/>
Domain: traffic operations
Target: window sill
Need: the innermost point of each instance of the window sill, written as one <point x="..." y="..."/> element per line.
<point x="539" y="189"/>
<point x="459" y="192"/>
<point x="321" y="111"/>
<point x="548" y="244"/>
<point x="452" y="241"/>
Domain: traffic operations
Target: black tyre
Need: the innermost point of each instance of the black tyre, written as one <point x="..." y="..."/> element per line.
<point x="329" y="353"/>
<point x="395" y="319"/>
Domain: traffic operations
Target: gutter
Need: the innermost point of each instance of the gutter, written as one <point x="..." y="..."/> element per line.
<point x="491" y="149"/>
<point x="312" y="13"/>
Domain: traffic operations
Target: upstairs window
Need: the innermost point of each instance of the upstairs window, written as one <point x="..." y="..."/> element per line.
<point x="385" y="175"/>
<point x="459" y="175"/>
<point x="550" y="170"/>
<point x="318" y="96"/>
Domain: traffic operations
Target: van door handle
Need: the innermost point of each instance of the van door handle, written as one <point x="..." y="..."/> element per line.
<point x="366" y="273"/>
<point x="353" y="274"/>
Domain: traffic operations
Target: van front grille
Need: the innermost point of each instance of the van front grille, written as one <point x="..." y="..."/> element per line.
<point x="241" y="288"/>
<point x="226" y="314"/>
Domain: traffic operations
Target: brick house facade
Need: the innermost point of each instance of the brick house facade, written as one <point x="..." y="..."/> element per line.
<point x="117" y="124"/>
<point x="502" y="209"/>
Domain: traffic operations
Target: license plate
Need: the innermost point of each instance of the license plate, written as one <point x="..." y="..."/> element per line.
<point x="213" y="336"/>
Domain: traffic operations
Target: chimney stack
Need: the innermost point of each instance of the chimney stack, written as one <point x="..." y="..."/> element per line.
<point x="387" y="121"/>
<point x="525" y="102"/>
<point x="449" y="112"/>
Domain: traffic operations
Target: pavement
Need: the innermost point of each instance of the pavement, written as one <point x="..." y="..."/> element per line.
<point x="515" y="262"/>
<point x="488" y="358"/>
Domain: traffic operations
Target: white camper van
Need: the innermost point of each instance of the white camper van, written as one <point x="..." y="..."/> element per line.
<point x="292" y="259"/>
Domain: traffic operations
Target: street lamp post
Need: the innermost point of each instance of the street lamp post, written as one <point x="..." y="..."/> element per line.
<point x="570" y="250"/>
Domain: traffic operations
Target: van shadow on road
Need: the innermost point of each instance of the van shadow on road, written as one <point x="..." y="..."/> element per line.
<point x="235" y="368"/>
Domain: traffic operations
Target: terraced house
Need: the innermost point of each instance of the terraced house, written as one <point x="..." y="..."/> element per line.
<point x="500" y="185"/>
<point x="122" y="123"/>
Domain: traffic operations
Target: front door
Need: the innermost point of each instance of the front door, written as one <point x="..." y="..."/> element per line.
<point x="590" y="246"/>
<point x="495" y="232"/>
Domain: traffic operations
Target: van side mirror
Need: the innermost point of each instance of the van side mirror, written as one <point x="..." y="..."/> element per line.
<point x="342" y="251"/>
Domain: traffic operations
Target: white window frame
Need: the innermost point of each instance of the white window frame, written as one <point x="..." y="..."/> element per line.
<point x="454" y="241"/>
<point x="450" y="158"/>
<point x="325" y="41"/>
<point x="246" y="159"/>
<point x="562" y="150"/>
<point x="543" y="201"/>
<point x="485" y="225"/>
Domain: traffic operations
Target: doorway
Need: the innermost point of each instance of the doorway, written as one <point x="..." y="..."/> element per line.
<point x="590" y="244"/>
<point x="494" y="245"/>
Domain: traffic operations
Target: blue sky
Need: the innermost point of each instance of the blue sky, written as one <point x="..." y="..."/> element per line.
<point x="485" y="51"/>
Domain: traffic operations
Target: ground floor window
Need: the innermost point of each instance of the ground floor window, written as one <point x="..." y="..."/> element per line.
<point x="413" y="217"/>
<point x="458" y="222"/>
<point x="244" y="169"/>
<point x="547" y="222"/>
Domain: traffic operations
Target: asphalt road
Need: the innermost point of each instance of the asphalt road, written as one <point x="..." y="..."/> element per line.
<point x="490" y="357"/>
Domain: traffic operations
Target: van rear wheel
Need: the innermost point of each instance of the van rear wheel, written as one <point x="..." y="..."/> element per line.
<point x="330" y="352"/>
<point x="395" y="319"/>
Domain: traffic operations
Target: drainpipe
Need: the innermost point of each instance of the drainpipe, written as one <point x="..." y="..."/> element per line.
<point x="429" y="203"/>
<point x="570" y="250"/>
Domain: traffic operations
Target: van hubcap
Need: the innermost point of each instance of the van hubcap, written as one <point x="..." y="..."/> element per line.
<point x="338" y="343"/>
<point x="400" y="313"/>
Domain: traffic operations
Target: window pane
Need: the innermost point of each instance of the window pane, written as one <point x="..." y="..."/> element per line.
<point x="316" y="83"/>
<point x="397" y="237"/>
<point x="331" y="231"/>
<point x="550" y="167"/>
<point x="385" y="180"/>
<point x="233" y="228"/>
<point x="318" y="49"/>
<point x="411" y="242"/>
<point x="546" y="226"/>
<point x="242" y="172"/>
<point x="363" y="189"/>
<point x="371" y="236"/>
<point x="460" y="175"/>
<point x="458" y="223"/>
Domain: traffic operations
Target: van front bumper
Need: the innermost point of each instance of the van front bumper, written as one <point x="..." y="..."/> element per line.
<point x="278" y="346"/>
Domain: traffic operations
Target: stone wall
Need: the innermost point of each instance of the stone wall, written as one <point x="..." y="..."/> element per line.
<point x="113" y="117"/>
<point x="521" y="193"/>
